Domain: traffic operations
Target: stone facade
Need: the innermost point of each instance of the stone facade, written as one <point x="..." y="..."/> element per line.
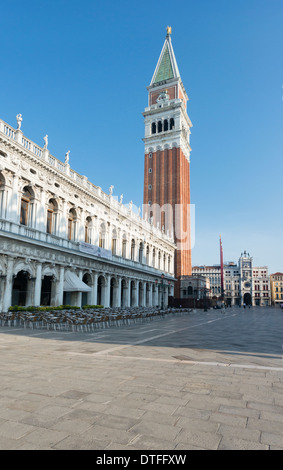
<point x="276" y="285"/>
<point x="243" y="282"/>
<point x="195" y="287"/>
<point x="64" y="240"/>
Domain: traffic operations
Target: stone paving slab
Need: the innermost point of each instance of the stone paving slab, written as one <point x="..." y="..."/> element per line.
<point x="80" y="394"/>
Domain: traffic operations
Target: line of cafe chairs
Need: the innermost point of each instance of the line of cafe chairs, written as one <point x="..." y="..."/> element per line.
<point x="85" y="319"/>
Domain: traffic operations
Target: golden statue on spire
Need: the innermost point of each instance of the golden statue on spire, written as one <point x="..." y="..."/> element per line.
<point x="169" y="30"/>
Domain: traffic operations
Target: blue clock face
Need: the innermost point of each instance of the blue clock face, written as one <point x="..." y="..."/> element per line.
<point x="247" y="284"/>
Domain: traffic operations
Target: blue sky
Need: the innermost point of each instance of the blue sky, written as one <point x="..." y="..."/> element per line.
<point x="78" y="71"/>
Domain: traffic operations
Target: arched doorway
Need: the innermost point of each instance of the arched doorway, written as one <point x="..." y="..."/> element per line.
<point x="20" y="288"/>
<point x="247" y="298"/>
<point x="46" y="290"/>
<point x="113" y="292"/>
<point x="100" y="290"/>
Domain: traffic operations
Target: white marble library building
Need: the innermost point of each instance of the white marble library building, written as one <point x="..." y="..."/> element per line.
<point x="65" y="241"/>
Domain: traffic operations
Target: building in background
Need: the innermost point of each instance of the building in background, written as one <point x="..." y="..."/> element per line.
<point x="195" y="291"/>
<point x="276" y="284"/>
<point x="243" y="282"/>
<point x="261" y="286"/>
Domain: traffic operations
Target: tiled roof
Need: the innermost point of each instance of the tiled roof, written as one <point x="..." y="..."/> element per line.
<point x="165" y="70"/>
<point x="167" y="67"/>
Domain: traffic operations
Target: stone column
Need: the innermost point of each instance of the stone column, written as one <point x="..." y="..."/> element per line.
<point x="60" y="287"/>
<point x="37" y="285"/>
<point x="129" y="293"/>
<point x="155" y="295"/>
<point x="144" y="294"/>
<point x="7" y="298"/>
<point x="136" y="295"/>
<point x="150" y="294"/>
<point x="78" y="301"/>
<point x="93" y="294"/>
<point x="118" y="293"/>
<point x="106" y="291"/>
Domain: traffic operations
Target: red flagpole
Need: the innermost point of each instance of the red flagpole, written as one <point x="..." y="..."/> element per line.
<point x="222" y="269"/>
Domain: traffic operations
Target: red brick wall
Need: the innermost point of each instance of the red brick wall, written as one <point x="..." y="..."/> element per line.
<point x="170" y="179"/>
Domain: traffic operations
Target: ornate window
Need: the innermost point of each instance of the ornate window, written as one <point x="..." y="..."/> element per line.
<point x="26" y="206"/>
<point x="88" y="227"/>
<point x="147" y="255"/>
<point x="141" y="253"/>
<point x="124" y="246"/>
<point x="102" y="236"/>
<point x="51" y="216"/>
<point x="133" y="249"/>
<point x="114" y="242"/>
<point x="72" y="221"/>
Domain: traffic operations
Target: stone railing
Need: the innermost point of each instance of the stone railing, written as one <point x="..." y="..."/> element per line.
<point x="18" y="230"/>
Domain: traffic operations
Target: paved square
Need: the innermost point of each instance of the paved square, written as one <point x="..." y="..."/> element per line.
<point x="204" y="380"/>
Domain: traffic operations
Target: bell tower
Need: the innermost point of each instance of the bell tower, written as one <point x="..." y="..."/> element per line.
<point x="167" y="157"/>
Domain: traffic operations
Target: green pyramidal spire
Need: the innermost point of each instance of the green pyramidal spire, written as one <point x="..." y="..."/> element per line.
<point x="165" y="70"/>
<point x="167" y="67"/>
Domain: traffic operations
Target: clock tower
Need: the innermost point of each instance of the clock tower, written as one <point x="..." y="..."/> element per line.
<point x="167" y="158"/>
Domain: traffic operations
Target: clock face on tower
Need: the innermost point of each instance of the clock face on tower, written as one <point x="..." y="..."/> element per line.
<point x="163" y="96"/>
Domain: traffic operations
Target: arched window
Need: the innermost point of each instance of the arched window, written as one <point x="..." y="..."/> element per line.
<point x="147" y="255"/>
<point x="88" y="226"/>
<point x="190" y="290"/>
<point x="159" y="126"/>
<point x="133" y="248"/>
<point x="141" y="252"/>
<point x="51" y="216"/>
<point x="153" y="257"/>
<point x="153" y="128"/>
<point x="114" y="242"/>
<point x="72" y="220"/>
<point x="124" y="246"/>
<point x="102" y="236"/>
<point x="166" y="125"/>
<point x="172" y="123"/>
<point x="26" y="206"/>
